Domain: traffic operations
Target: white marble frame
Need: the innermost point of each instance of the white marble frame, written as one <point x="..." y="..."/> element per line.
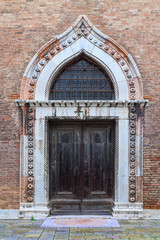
<point x="41" y="162"/>
<point x="40" y="206"/>
<point x="121" y="93"/>
<point x="62" y="58"/>
<point x="43" y="111"/>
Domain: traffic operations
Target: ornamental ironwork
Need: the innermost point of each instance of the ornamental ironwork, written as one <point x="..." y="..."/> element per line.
<point x="82" y="79"/>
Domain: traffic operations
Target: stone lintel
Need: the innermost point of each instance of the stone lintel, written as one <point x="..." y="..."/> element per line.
<point x="81" y="103"/>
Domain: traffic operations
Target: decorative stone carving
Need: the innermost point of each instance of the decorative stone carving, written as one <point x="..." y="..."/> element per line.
<point x="30" y="173"/>
<point x="58" y="48"/>
<point x="52" y="52"/>
<point x="31" y="90"/>
<point x="30" y="110"/>
<point x="132" y="158"/>
<point x="122" y="63"/>
<point x="82" y="31"/>
<point x="132" y="117"/>
<point x="132" y="199"/>
<point x="74" y="37"/>
<point x="86" y="103"/>
<point x="30" y="138"/>
<point x="30" y="191"/>
<point x="30" y="159"/>
<point x="37" y="69"/>
<point x="30" y="131"/>
<point x="106" y="47"/>
<point x="96" y="41"/>
<point x="30" y="151"/>
<point x="64" y="44"/>
<point x="132" y="138"/>
<point x="30" y="166"/>
<point x="34" y="76"/>
<point x="30" y="144"/>
<point x="118" y="56"/>
<point x="47" y="57"/>
<point x="30" y="199"/>
<point x="30" y="124"/>
<point x="42" y="62"/>
<point x="30" y="179"/>
<point x="32" y="83"/>
<point x="82" y="28"/>
<point x="30" y="117"/>
<point x="112" y="51"/>
<point x="30" y="186"/>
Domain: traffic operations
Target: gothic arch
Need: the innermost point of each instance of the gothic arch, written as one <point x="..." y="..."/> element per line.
<point x="126" y="111"/>
<point x="82" y="36"/>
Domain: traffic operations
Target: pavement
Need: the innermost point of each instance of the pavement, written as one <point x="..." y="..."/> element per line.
<point x="33" y="229"/>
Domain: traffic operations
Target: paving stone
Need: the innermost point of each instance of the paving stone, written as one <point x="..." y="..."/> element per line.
<point x="32" y="235"/>
<point x="46" y="238"/>
<point x="97" y="237"/>
<point x="48" y="234"/>
<point x="76" y="238"/>
<point x="24" y="238"/>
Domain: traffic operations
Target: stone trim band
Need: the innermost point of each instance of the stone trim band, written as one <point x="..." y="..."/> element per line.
<point x="79" y="103"/>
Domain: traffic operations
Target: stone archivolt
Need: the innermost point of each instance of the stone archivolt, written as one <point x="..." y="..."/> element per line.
<point x="81" y="28"/>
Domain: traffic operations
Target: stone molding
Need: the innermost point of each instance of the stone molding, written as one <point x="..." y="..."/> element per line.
<point x="123" y="211"/>
<point x="127" y="210"/>
<point x="30" y="131"/>
<point x="79" y="103"/>
<point x="82" y="36"/>
<point x="28" y="210"/>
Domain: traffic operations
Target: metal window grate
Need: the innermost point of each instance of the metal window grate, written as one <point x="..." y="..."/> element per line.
<point x="82" y="80"/>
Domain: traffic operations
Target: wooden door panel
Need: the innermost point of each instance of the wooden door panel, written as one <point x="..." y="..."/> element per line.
<point x="81" y="167"/>
<point x="95" y="151"/>
<point x="97" y="163"/>
<point x="98" y="168"/>
<point x="65" y="147"/>
<point x="65" y="161"/>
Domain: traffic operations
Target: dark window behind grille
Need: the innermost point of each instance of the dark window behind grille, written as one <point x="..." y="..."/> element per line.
<point x="82" y="80"/>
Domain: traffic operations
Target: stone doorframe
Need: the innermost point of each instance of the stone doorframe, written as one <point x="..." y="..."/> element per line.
<point x="127" y="110"/>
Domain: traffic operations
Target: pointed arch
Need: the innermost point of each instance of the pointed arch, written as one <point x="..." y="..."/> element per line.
<point x="82" y="79"/>
<point x="82" y="36"/>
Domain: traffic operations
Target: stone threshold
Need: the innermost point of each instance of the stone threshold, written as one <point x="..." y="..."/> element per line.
<point x="14" y="214"/>
<point x="79" y="221"/>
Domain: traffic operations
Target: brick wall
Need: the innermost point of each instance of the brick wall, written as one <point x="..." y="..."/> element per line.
<point x="25" y="26"/>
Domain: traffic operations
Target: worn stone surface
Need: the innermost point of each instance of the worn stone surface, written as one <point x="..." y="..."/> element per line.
<point x="26" y="26"/>
<point x="129" y="230"/>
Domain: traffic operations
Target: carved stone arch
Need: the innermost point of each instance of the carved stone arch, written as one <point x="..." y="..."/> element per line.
<point x="65" y="62"/>
<point x="82" y="36"/>
<point x="126" y="111"/>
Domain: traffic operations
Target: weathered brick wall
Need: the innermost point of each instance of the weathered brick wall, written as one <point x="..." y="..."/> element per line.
<point x="25" y="26"/>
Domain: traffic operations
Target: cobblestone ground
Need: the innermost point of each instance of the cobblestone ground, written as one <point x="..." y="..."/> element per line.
<point x="129" y="229"/>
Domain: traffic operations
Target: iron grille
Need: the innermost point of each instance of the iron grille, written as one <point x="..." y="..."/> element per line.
<point x="82" y="80"/>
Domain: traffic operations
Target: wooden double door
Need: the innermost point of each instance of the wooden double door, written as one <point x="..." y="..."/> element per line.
<point x="81" y="167"/>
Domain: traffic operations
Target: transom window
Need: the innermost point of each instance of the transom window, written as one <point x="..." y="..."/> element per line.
<point x="82" y="79"/>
